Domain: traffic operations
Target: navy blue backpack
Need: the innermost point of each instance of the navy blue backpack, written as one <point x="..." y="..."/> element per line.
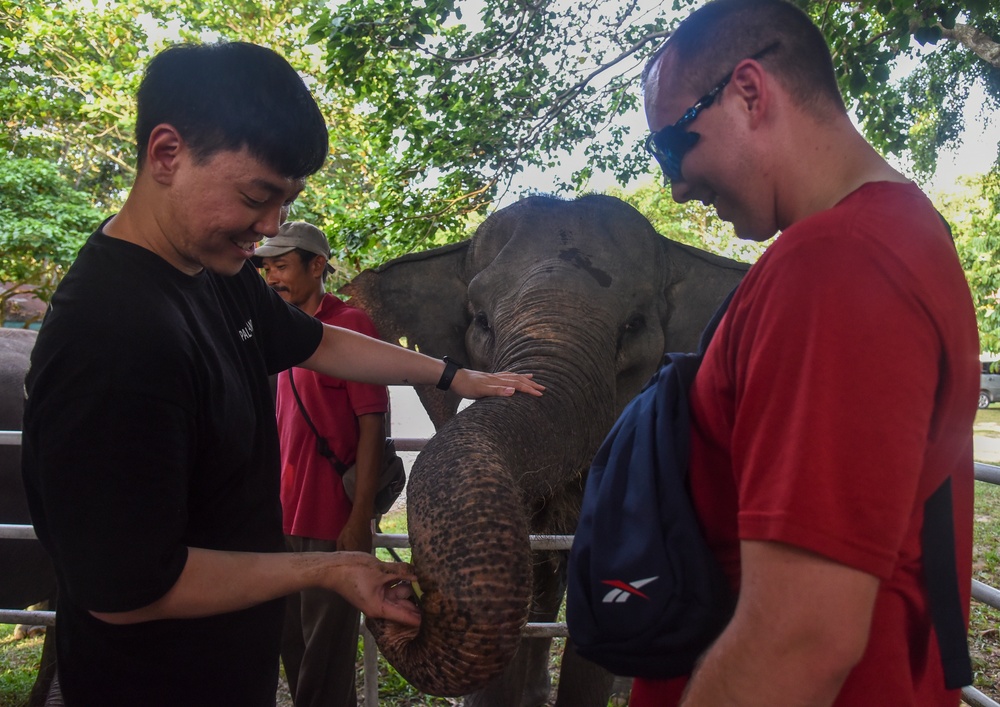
<point x="645" y="596"/>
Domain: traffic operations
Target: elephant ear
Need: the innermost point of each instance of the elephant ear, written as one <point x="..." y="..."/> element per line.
<point x="419" y="301"/>
<point x="696" y="286"/>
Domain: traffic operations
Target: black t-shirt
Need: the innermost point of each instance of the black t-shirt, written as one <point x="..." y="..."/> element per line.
<point x="149" y="428"/>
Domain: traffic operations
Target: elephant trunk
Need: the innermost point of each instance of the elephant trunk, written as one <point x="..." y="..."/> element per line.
<point x="475" y="596"/>
<point x="468" y="517"/>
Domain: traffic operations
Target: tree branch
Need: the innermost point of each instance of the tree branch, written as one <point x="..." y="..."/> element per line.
<point x="128" y="168"/>
<point x="580" y="85"/>
<point x="521" y="23"/>
<point x="976" y="41"/>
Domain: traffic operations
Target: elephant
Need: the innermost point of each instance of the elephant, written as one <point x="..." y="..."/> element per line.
<point x="27" y="574"/>
<point x="587" y="297"/>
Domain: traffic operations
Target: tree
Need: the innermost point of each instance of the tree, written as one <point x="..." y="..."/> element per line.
<point x="466" y="108"/>
<point x="66" y="81"/>
<point x="692" y="222"/>
<point x="69" y="72"/>
<point x="974" y="214"/>
<point x="46" y="221"/>
<point x="958" y="45"/>
<point x="435" y="106"/>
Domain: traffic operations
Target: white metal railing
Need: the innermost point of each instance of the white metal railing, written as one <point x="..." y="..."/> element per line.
<point x="10" y="437"/>
<point x="981" y="592"/>
<point x="384" y="540"/>
<point x="21" y="532"/>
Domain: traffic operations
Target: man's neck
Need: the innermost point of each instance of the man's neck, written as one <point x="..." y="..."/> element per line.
<point x="139" y="222"/>
<point x="835" y="161"/>
<point x="129" y="225"/>
<point x="314" y="302"/>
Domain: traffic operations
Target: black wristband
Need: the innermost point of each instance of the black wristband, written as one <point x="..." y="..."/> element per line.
<point x="448" y="374"/>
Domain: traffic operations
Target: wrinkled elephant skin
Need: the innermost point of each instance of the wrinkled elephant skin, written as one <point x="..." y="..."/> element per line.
<point x="26" y="573"/>
<point x="586" y="296"/>
<point x="33" y="580"/>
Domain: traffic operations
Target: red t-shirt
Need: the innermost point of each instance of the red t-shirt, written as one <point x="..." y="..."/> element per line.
<point x="836" y="396"/>
<point x="313" y="501"/>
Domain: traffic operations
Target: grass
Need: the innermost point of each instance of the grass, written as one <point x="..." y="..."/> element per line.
<point x="984" y="621"/>
<point x="395" y="691"/>
<point x="18" y="665"/>
<point x="393" y="523"/>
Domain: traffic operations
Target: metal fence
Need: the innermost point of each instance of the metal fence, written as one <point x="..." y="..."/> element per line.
<point x="981" y="592"/>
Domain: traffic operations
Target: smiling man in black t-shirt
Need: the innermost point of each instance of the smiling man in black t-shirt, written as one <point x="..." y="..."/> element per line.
<point x="150" y="453"/>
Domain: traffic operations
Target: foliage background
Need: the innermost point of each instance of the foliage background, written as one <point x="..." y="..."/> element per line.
<point x="437" y="108"/>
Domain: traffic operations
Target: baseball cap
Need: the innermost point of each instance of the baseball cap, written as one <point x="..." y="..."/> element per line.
<point x="292" y="235"/>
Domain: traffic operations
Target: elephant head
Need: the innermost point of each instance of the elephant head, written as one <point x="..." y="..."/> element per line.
<point x="586" y="296"/>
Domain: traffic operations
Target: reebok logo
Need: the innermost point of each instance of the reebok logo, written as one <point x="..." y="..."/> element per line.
<point x="623" y="590"/>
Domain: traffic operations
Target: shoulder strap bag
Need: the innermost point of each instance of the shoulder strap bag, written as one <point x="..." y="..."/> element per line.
<point x="392" y="475"/>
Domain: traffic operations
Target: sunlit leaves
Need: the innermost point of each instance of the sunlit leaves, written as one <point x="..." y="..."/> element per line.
<point x="921" y="114"/>
<point x="974" y="214"/>
<point x="469" y="102"/>
<point x="45" y="221"/>
<point x="692" y="222"/>
<point x="435" y="106"/>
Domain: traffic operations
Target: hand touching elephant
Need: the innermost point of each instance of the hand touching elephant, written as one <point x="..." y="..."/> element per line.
<point x="586" y="296"/>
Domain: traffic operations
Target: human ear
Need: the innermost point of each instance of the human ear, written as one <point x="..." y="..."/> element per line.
<point x="752" y="87"/>
<point x="162" y="151"/>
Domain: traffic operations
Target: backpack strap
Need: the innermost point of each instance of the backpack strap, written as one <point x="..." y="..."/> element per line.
<point x="713" y="323"/>
<point x="937" y="539"/>
<point x="322" y="446"/>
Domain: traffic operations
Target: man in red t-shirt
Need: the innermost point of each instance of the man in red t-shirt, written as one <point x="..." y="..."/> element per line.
<point x="319" y="646"/>
<point x="810" y="465"/>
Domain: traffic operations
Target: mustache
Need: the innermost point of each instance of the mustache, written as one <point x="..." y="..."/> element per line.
<point x="279" y="288"/>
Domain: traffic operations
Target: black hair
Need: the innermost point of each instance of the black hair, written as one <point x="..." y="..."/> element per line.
<point x="229" y="96"/>
<point x="717" y="36"/>
<point x="307" y="256"/>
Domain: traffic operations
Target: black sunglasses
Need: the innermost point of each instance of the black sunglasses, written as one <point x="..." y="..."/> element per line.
<point x="669" y="145"/>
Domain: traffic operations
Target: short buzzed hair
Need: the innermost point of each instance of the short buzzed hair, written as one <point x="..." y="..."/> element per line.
<point x="717" y="36"/>
<point x="229" y="96"/>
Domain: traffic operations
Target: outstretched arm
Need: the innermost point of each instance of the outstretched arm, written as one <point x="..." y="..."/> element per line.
<point x="215" y="582"/>
<point x="343" y="353"/>
<point x="800" y="626"/>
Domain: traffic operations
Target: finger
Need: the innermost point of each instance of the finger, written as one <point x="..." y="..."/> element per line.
<point x="405" y="612"/>
<point x="522" y="381"/>
<point x="407" y="619"/>
<point x="399" y="592"/>
<point x="529" y="387"/>
<point x="532" y="388"/>
<point x="401" y="571"/>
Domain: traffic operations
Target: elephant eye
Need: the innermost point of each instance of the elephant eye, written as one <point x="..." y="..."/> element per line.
<point x="482" y="322"/>
<point x="635" y="323"/>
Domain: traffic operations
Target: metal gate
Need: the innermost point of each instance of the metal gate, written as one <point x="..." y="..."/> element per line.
<point x="981" y="592"/>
